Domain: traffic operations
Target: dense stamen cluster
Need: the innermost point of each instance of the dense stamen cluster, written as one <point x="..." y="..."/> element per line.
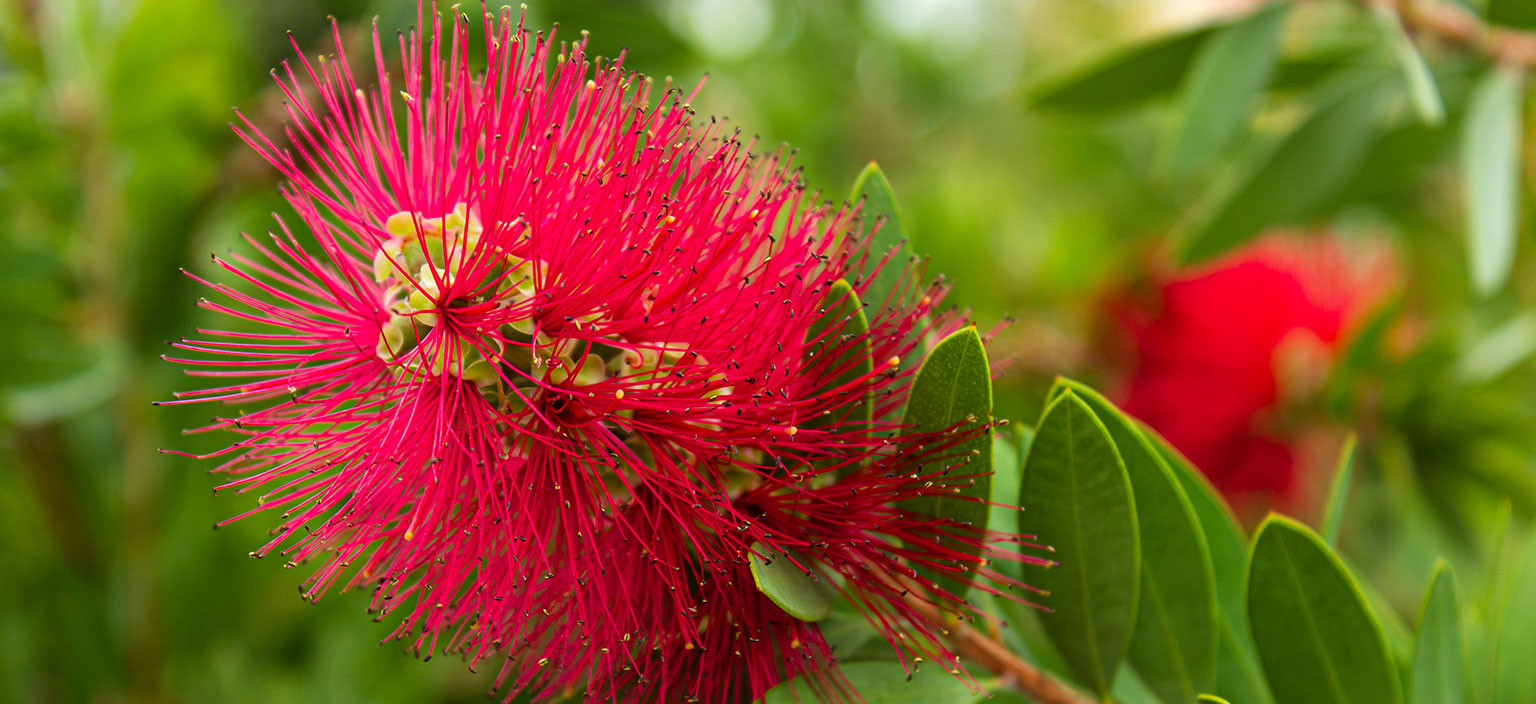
<point x="541" y="371"/>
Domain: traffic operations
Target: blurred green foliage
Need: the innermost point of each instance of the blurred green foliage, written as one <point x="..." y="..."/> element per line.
<point x="1046" y="154"/>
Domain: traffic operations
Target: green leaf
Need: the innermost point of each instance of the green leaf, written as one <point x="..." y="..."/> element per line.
<point x="797" y="592"/>
<point x="838" y="343"/>
<point x="876" y="683"/>
<point x="1078" y="499"/>
<point x="1422" y="91"/>
<point x="1437" y="676"/>
<point x="1173" y="646"/>
<point x="1512" y="13"/>
<point x="1007" y="472"/>
<point x="1238" y="674"/>
<point x="1210" y="699"/>
<point x="1296" y="175"/>
<point x="1228" y="74"/>
<point x="1317" y="639"/>
<point x="1490" y="176"/>
<point x="954" y="388"/>
<point x="879" y="204"/>
<point x="1515" y="678"/>
<point x="1123" y="78"/>
<point x="1338" y="492"/>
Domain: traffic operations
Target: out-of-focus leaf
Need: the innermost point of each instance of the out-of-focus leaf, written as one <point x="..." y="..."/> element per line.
<point x="1210" y="699"/>
<point x="1338" y="493"/>
<point x="876" y="683"/>
<point x="789" y="585"/>
<point x="1229" y="73"/>
<point x="953" y="388"/>
<point x="1499" y="350"/>
<point x="1307" y="71"/>
<point x="1007" y="472"/>
<point x="1422" y="91"/>
<point x="1515" y="680"/>
<point x="1512" y="13"/>
<point x="1300" y="172"/>
<point x="1079" y="500"/>
<point x="1238" y="674"/>
<point x="840" y="332"/>
<point x="1438" y="676"/>
<point x="1316" y="637"/>
<point x="879" y="205"/>
<point x="1490" y="176"/>
<point x="1173" y="647"/>
<point x="1123" y="78"/>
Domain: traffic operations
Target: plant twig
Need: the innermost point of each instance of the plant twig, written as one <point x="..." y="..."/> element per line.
<point x="993" y="655"/>
<point x="1454" y="24"/>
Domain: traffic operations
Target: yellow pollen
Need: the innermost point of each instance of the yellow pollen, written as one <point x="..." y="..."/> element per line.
<point x="791" y="430"/>
<point x="619" y="394"/>
<point x="410" y="533"/>
<point x="894" y="361"/>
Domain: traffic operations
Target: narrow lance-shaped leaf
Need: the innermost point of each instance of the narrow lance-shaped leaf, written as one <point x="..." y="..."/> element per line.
<point x="1230" y="71"/>
<point x="1316" y="637"/>
<point x="1437" y="676"/>
<point x="1490" y="176"/>
<point x="1123" y="78"/>
<point x="1079" y="501"/>
<point x="880" y="206"/>
<point x="799" y="594"/>
<point x="1422" y="91"/>
<point x="837" y="342"/>
<point x="953" y="390"/>
<point x="1173" y="646"/>
<point x="1297" y="174"/>
<point x="1338" y="492"/>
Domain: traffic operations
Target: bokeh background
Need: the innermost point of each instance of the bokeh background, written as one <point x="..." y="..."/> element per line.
<point x="1042" y="200"/>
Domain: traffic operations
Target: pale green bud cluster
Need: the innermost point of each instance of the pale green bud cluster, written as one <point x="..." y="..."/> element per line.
<point x="426" y="255"/>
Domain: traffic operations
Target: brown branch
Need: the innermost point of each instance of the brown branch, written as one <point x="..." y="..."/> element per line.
<point x="993" y="655"/>
<point x="1457" y="25"/>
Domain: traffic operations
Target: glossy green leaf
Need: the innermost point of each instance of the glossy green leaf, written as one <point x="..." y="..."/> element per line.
<point x="1438" y="676"/>
<point x="1301" y="171"/>
<point x="1078" y="500"/>
<point x="1123" y="78"/>
<point x="1238" y="674"/>
<point x="1228" y="74"/>
<point x="798" y="593"/>
<point x="838" y="342"/>
<point x="1173" y="646"/>
<point x="1422" y="91"/>
<point x="876" y="683"/>
<point x="1490" y="176"/>
<point x="953" y="388"/>
<point x="1210" y="699"/>
<point x="1316" y="637"/>
<point x="879" y="205"/>
<point x="1338" y="492"/>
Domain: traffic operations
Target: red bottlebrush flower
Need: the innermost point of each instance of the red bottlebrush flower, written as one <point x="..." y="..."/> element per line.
<point x="1214" y="353"/>
<point x="539" y="370"/>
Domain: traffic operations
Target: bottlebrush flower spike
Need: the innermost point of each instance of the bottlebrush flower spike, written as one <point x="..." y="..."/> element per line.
<point x="537" y="369"/>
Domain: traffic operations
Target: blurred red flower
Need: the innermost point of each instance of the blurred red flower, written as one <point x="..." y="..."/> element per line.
<point x="1221" y="349"/>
